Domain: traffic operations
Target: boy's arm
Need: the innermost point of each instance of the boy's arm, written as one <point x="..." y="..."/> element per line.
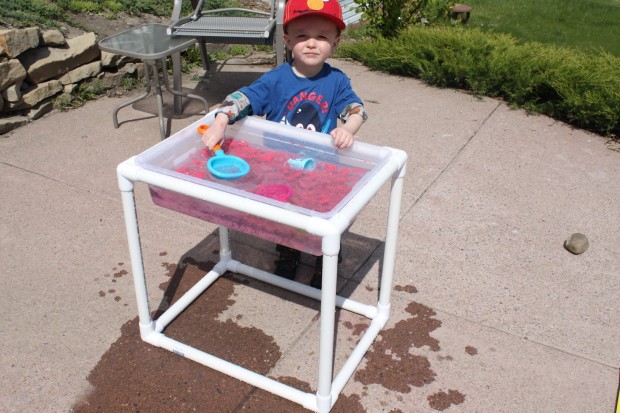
<point x="353" y="116"/>
<point x="236" y="106"/>
<point x="215" y="133"/>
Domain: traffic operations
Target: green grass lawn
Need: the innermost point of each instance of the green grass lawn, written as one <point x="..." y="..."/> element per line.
<point x="585" y="24"/>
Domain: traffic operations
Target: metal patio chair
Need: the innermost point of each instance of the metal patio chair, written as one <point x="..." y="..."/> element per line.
<point x="232" y="26"/>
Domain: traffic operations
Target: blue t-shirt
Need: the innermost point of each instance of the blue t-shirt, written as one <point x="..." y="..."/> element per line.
<point x="309" y="103"/>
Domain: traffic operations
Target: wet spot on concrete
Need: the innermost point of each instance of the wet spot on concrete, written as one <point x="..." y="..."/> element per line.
<point x="163" y="254"/>
<point x="442" y="358"/>
<point x="117" y="298"/>
<point x="135" y="376"/>
<point x="442" y="400"/>
<point x="111" y="291"/>
<point x="120" y="273"/>
<point x="406" y="288"/>
<point x="357" y="329"/>
<point x="368" y="288"/>
<point x="421" y="325"/>
<point x="101" y="293"/>
<point x="389" y="362"/>
<point x="472" y="351"/>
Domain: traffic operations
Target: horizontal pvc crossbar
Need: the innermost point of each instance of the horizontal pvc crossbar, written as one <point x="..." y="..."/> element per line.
<point x="201" y="286"/>
<point x="366" y="310"/>
<point x="188" y="298"/>
<point x="307" y="400"/>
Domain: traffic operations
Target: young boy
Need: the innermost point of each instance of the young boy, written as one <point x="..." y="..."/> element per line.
<point x="305" y="93"/>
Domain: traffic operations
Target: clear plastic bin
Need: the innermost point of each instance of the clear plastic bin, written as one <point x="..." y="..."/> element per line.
<point x="337" y="176"/>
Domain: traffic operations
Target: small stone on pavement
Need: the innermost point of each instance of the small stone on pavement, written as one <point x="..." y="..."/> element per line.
<point x="577" y="243"/>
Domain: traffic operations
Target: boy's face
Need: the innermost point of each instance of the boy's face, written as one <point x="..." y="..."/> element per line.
<point x="311" y="39"/>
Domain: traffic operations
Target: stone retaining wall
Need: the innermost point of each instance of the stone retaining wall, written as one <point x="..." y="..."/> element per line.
<point x="38" y="66"/>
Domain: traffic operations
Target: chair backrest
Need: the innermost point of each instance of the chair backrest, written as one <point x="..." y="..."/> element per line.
<point x="232" y="25"/>
<point x="198" y="9"/>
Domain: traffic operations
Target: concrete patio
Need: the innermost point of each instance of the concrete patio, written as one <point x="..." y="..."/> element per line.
<point x="490" y="313"/>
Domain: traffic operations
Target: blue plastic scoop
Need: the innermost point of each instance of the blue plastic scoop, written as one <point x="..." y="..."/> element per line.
<point x="224" y="166"/>
<point x="227" y="166"/>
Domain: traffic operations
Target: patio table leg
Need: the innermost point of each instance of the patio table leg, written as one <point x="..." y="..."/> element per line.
<point x="151" y="79"/>
<point x="177" y="82"/>
<point x="132" y="101"/>
<point x="163" y="130"/>
<point x="177" y="91"/>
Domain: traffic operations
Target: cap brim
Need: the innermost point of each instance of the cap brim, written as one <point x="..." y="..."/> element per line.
<point x="339" y="23"/>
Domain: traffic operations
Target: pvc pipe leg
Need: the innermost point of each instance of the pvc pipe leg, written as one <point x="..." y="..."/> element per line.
<point x="326" y="344"/>
<point x="389" y="255"/>
<point x="137" y="262"/>
<point x="225" y="252"/>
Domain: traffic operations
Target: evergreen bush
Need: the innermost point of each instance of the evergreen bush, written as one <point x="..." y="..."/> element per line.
<point x="581" y="88"/>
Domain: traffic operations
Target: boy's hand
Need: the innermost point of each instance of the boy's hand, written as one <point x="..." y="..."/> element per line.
<point x="342" y="138"/>
<point x="215" y="133"/>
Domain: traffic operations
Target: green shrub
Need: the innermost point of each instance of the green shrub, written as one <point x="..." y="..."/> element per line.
<point x="83" y="6"/>
<point x="581" y="88"/>
<point x="28" y="13"/>
<point x="387" y="18"/>
<point x="86" y="91"/>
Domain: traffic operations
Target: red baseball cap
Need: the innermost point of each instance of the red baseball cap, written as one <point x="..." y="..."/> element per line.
<point x="329" y="9"/>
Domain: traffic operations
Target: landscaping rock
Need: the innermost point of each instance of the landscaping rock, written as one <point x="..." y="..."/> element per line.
<point x="577" y="243"/>
<point x="8" y="124"/>
<point x="45" y="63"/>
<point x="16" y="41"/>
<point x="91" y="69"/>
<point x="36" y="94"/>
<point x="11" y="72"/>
<point x="13" y="93"/>
<point x="52" y="38"/>
<point x="41" y="109"/>
<point x="113" y="60"/>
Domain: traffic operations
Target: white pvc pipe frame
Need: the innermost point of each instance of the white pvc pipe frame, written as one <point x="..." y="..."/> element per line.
<point x="329" y="229"/>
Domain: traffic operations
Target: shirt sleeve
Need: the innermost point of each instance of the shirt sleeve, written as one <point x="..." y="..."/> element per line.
<point x="348" y="103"/>
<point x="261" y="93"/>
<point x="236" y="106"/>
<point x="351" y="109"/>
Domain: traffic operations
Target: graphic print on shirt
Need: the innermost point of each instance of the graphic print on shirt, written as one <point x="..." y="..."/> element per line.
<point x="304" y="111"/>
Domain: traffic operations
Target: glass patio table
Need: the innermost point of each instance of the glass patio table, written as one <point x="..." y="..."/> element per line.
<point x="151" y="44"/>
<point x="295" y="221"/>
